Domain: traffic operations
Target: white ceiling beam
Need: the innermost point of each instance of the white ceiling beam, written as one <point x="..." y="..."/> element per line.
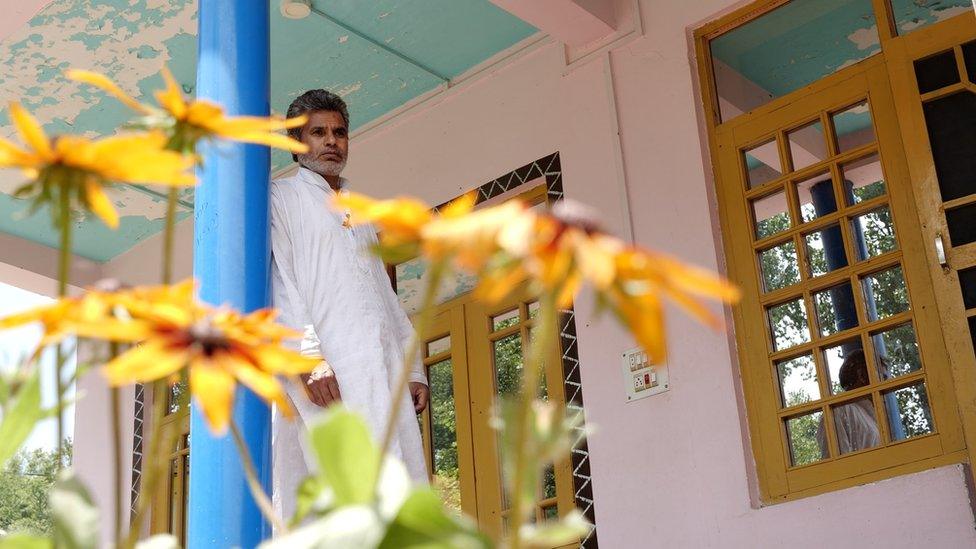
<point x="574" y="22"/>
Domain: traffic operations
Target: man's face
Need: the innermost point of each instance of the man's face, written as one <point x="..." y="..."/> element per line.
<point x="327" y="138"/>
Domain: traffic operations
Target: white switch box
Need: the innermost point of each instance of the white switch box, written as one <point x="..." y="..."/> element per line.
<point x="642" y="379"/>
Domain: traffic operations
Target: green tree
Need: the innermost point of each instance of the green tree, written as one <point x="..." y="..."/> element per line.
<point x="24" y="487"/>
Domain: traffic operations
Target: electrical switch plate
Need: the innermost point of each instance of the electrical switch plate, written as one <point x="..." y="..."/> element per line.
<point x="641" y="378"/>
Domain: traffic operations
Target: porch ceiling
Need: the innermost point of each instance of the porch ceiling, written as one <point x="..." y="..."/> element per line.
<point x="378" y="55"/>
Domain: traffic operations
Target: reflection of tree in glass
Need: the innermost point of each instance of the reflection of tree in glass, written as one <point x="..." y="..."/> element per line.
<point x="773" y="225"/>
<point x="444" y="433"/>
<point x="878" y="231"/>
<point x="177" y="396"/>
<point x="913" y="404"/>
<point x="803" y="438"/>
<point x="900" y="350"/>
<point x="867" y="192"/>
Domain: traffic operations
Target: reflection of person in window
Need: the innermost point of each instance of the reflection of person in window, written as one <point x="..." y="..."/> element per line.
<point x="854" y="423"/>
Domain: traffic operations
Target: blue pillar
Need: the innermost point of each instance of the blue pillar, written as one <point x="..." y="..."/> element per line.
<point x="231" y="262"/>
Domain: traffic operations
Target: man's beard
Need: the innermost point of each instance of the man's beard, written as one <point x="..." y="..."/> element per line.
<point x="322" y="167"/>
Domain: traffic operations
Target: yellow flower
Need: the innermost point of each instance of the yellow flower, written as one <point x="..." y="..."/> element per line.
<point x="63" y="317"/>
<point x="219" y="347"/>
<point x="557" y="252"/>
<point x="190" y="121"/>
<point x="82" y="168"/>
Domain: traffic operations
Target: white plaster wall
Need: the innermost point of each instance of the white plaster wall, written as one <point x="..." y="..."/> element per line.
<point x="676" y="469"/>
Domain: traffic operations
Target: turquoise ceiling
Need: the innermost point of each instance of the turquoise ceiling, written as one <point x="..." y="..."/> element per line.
<point x="345" y="50"/>
<point x="805" y="40"/>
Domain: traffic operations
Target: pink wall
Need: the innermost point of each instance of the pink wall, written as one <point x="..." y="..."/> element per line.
<point x="674" y="469"/>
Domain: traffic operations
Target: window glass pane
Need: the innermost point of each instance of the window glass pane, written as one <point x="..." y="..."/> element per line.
<point x="972" y="330"/>
<point x="908" y="412"/>
<point x="885" y="293"/>
<point x="805" y="434"/>
<point x="816" y="196"/>
<point x="505" y="320"/>
<point x="937" y="71"/>
<point x="846" y="366"/>
<point x="874" y="233"/>
<point x="534" y="309"/>
<point x="962" y="224"/>
<point x="863" y="179"/>
<point x="412" y="277"/>
<point x="444" y="435"/>
<point x="508" y="364"/>
<point x="967" y="283"/>
<point x="780" y="266"/>
<point x="762" y="163"/>
<point x="551" y="512"/>
<point x="825" y="250"/>
<point x="549" y="482"/>
<point x="969" y="56"/>
<point x="788" y="48"/>
<point x="807" y="145"/>
<point x="788" y="322"/>
<point x="896" y="352"/>
<point x="853" y="127"/>
<point x="772" y="214"/>
<point x="950" y="121"/>
<point x="915" y="14"/>
<point x="856" y="426"/>
<point x="835" y="309"/>
<point x="798" y="380"/>
<point x="438" y="346"/>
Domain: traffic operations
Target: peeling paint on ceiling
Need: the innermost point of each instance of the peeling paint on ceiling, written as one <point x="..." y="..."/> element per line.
<point x="131" y="40"/>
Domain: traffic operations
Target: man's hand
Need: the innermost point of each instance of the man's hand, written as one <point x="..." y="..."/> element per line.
<point x="324" y="390"/>
<point x="420" y="394"/>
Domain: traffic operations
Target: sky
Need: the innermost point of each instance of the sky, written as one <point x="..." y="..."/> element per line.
<point x="17" y="343"/>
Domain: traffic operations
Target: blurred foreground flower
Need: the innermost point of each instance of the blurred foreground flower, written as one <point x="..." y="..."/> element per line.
<point x="555" y="251"/>
<point x="219" y="347"/>
<point x="80" y="168"/>
<point x="187" y="122"/>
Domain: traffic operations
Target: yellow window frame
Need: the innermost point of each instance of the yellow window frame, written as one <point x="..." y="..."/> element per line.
<point x="778" y="480"/>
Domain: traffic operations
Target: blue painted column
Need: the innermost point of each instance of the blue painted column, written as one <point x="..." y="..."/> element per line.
<point x="231" y="262"/>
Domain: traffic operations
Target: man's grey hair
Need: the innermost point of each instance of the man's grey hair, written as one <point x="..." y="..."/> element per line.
<point x="315" y="100"/>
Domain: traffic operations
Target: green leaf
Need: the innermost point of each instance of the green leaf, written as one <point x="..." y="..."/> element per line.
<point x="353" y="526"/>
<point x="313" y="496"/>
<point x="423" y="523"/>
<point x="159" y="541"/>
<point x="75" y="515"/>
<point x="23" y="541"/>
<point x="347" y="456"/>
<point x="20" y="417"/>
<point x="554" y="533"/>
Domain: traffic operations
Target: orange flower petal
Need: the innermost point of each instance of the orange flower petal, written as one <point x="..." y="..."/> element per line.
<point x="31" y="132"/>
<point x="100" y="204"/>
<point x="105" y="84"/>
<point x="213" y="389"/>
<point x="150" y="361"/>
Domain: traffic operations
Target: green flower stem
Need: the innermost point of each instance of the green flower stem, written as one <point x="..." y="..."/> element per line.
<point x="168" y="236"/>
<point x="435" y="273"/>
<point x="257" y="491"/>
<point x="528" y="391"/>
<point x="64" y="267"/>
<point x="116" y="451"/>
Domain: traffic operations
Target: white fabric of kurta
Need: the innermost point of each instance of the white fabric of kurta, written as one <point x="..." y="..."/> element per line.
<point x="326" y="283"/>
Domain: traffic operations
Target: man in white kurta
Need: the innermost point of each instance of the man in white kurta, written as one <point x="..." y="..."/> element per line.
<point x="327" y="284"/>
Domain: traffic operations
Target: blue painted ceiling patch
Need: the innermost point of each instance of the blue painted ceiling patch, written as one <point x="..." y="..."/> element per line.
<point x="346" y="51"/>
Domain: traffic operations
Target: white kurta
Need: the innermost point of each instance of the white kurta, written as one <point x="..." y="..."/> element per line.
<point x="327" y="284"/>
